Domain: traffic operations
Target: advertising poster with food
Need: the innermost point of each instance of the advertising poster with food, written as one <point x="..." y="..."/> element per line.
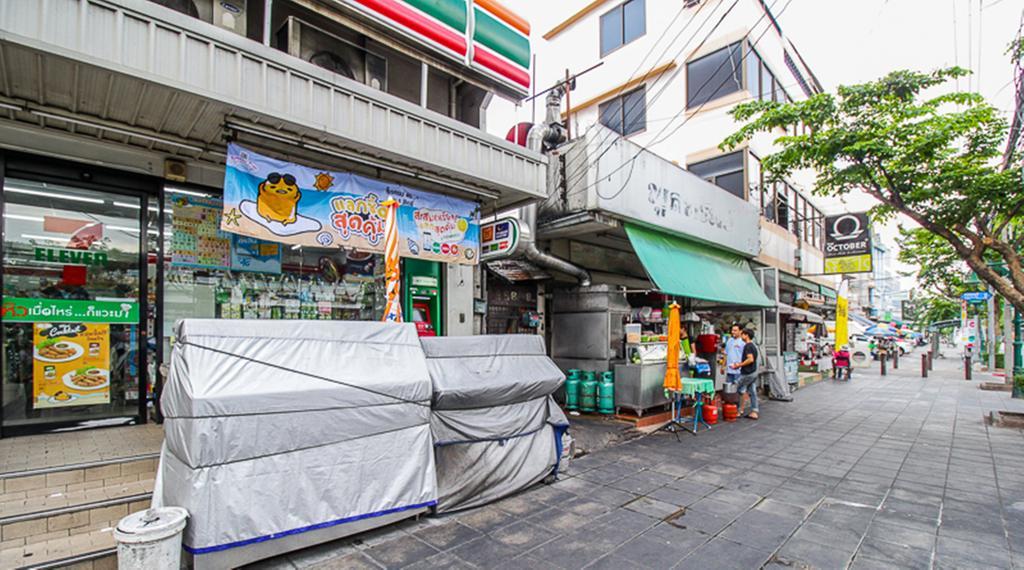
<point x="70" y="364"/>
<point x="282" y="202"/>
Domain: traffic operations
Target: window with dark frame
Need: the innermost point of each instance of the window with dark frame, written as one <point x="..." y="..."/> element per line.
<point x="778" y="202"/>
<point x="625" y="114"/>
<point x="714" y="75"/>
<point x="725" y="171"/>
<point x="623" y="24"/>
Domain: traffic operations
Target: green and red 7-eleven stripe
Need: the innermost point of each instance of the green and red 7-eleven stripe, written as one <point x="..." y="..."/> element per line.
<point x="441" y="23"/>
<point x="500" y="39"/>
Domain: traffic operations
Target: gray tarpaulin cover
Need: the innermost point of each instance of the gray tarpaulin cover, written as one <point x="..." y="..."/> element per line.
<point x="276" y="427"/>
<point x="496" y="428"/>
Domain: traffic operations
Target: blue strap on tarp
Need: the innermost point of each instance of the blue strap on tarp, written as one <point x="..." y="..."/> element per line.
<point x="560" y="430"/>
<point x="220" y="547"/>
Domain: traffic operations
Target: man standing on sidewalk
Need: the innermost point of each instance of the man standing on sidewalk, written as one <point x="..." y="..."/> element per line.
<point x="733" y="354"/>
<point x="748" y="374"/>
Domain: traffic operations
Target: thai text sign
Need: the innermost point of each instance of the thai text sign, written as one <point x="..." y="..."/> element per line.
<point x="26" y="310"/>
<point x="976" y="296"/>
<point x="640" y="186"/>
<point x="287" y="203"/>
<point x="847" y="244"/>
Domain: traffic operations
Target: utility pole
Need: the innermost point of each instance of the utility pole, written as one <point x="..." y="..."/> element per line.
<point x="991" y="341"/>
<point x="1008" y="366"/>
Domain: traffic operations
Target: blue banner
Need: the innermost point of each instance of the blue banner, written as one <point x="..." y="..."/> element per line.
<point x="282" y="202"/>
<point x="251" y="254"/>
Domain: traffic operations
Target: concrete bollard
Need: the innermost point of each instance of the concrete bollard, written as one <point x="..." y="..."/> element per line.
<point x="881" y="359"/>
<point x="924" y="366"/>
<point x="931" y="360"/>
<point x="967" y="367"/>
<point x="896" y="359"/>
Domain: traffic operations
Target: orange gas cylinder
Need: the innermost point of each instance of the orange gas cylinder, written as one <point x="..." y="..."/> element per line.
<point x="731" y="411"/>
<point x="710" y="412"/>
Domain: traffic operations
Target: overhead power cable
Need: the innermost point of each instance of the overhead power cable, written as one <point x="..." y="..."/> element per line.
<point x="579" y="173"/>
<point x="694" y="112"/>
<point x="569" y="167"/>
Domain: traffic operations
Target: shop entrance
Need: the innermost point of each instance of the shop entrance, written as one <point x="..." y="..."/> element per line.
<point x="74" y="300"/>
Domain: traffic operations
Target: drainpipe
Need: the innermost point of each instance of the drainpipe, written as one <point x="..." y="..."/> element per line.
<point x="548" y="134"/>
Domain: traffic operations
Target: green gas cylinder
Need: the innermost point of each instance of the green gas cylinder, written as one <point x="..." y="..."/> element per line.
<point x="588" y="392"/>
<point x="606" y="393"/>
<point x="572" y="390"/>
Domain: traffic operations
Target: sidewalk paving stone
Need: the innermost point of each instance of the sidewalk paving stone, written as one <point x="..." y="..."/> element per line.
<point x="446" y="536"/>
<point x="802" y="553"/>
<point x="878" y="473"/>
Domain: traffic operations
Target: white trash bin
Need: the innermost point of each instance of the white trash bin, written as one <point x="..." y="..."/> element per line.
<point x="151" y="539"/>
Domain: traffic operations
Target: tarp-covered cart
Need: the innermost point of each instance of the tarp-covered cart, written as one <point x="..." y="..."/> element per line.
<point x="496" y="428"/>
<point x="280" y="435"/>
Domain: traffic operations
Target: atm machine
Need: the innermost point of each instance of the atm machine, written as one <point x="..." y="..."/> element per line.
<point x="421" y="294"/>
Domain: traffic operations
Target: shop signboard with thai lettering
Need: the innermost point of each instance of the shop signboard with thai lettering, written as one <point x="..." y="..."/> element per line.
<point x="631" y="183"/>
<point x="847" y="244"/>
<point x="31" y="310"/>
<point x="282" y="202"/>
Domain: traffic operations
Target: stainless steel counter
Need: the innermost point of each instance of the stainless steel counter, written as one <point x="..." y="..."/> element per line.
<point x="639" y="387"/>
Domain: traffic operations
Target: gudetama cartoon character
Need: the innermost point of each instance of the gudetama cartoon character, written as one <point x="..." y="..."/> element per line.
<point x="278" y="198"/>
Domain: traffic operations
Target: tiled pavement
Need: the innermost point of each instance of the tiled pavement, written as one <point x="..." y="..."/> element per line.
<point x="894" y="472"/>
<point x="56" y="450"/>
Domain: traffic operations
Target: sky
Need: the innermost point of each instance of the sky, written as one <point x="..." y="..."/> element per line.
<point x="850" y="42"/>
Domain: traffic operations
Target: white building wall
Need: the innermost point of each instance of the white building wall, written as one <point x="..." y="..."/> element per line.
<point x="679" y="134"/>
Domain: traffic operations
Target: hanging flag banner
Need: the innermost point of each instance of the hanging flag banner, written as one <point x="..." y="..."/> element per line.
<point x="287" y="203"/>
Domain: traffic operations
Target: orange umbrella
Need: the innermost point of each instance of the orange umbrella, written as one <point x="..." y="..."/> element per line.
<point x="672" y="380"/>
<point x="392" y="271"/>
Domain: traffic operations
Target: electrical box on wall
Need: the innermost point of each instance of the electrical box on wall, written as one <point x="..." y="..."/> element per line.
<point x="175" y="170"/>
<point x="228" y="14"/>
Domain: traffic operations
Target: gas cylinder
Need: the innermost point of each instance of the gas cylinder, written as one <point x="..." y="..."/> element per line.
<point x="588" y="392"/>
<point x="710" y="412"/>
<point x="606" y="393"/>
<point x="730" y="412"/>
<point x="572" y="390"/>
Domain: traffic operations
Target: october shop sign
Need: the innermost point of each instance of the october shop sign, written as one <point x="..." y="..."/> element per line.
<point x="287" y="203"/>
<point x="847" y="244"/>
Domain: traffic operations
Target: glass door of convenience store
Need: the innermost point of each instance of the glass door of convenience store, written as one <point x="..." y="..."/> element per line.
<point x="74" y="287"/>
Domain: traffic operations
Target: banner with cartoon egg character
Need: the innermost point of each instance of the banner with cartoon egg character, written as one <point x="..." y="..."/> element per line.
<point x="288" y="203"/>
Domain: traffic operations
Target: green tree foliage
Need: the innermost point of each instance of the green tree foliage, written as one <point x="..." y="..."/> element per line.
<point x="933" y="158"/>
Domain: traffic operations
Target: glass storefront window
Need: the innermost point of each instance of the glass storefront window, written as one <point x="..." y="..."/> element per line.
<point x="206" y="277"/>
<point x="71" y="321"/>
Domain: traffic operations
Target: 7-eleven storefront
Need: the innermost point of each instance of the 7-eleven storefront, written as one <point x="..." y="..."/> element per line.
<point x="117" y="206"/>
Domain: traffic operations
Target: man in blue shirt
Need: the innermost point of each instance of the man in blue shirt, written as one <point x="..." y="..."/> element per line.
<point x="733" y="353"/>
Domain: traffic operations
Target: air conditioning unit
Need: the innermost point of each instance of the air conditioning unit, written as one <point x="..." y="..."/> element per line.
<point x="333" y="52"/>
<point x="228" y="14"/>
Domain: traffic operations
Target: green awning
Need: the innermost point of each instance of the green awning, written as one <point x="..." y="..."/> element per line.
<point x="686" y="268"/>
<point x="798" y="282"/>
<point x="828" y="292"/>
